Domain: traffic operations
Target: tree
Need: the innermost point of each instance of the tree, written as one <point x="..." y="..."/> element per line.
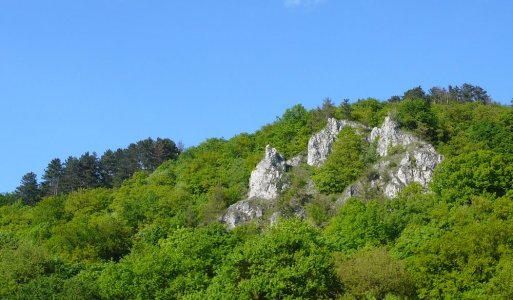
<point x="439" y="95"/>
<point x="28" y="190"/>
<point x="417" y="115"/>
<point x="52" y="178"/>
<point x="373" y="272"/>
<point x="343" y="166"/>
<point x="480" y="172"/>
<point x="357" y="225"/>
<point x="367" y="111"/>
<point x="70" y="178"/>
<point x="415" y="93"/>
<point x="470" y="93"/>
<point x="394" y="99"/>
<point x="109" y="165"/>
<point x="164" y="149"/>
<point x="346" y="109"/>
<point x="289" y="261"/>
<point x="88" y="171"/>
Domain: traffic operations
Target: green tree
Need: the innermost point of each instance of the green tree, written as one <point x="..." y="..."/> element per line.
<point x="475" y="173"/>
<point x="52" y="178"/>
<point x="416" y="115"/>
<point x="178" y="266"/>
<point x="344" y="165"/>
<point x="368" y="112"/>
<point x="357" y="225"/>
<point x="70" y="175"/>
<point x="29" y="191"/>
<point x="415" y="93"/>
<point x="373" y="274"/>
<point x="289" y="261"/>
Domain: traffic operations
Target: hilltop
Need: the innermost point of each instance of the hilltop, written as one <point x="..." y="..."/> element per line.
<point x="407" y="198"/>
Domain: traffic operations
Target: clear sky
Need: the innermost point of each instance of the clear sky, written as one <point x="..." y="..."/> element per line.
<point x="89" y="75"/>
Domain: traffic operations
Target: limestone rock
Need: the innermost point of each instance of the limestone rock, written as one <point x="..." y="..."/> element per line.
<point x="319" y="145"/>
<point x="415" y="162"/>
<point x="390" y="135"/>
<point x="265" y="184"/>
<point x="417" y="165"/>
<point x="393" y="173"/>
<point x="242" y="212"/>
<point x="266" y="181"/>
<point x="294" y="161"/>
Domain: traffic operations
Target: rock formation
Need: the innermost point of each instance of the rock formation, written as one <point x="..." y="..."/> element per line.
<point x="319" y="145"/>
<point x="389" y="135"/>
<point x="242" y="212"/>
<point x="266" y="180"/>
<point x="414" y="162"/>
<point x="403" y="159"/>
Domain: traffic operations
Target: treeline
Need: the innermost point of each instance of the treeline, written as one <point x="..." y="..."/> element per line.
<point x="452" y="94"/>
<point x="90" y="171"/>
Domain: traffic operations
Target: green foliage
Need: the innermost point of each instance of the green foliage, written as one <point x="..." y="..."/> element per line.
<point x="474" y="173"/>
<point x="357" y="225"/>
<point x="289" y="134"/>
<point x="7" y="199"/>
<point x="415" y="93"/>
<point x="29" y="191"/>
<point x="344" y="165"/>
<point x="374" y="274"/>
<point x="178" y="266"/>
<point x="289" y="261"/>
<point x="416" y="115"/>
<point x="462" y="255"/>
<point x="368" y="112"/>
<point x="20" y="262"/>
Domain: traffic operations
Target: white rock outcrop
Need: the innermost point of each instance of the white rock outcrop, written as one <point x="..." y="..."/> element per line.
<point x="319" y="145"/>
<point x="242" y="212"/>
<point x="390" y="135"/>
<point x="266" y="180"/>
<point x="414" y="163"/>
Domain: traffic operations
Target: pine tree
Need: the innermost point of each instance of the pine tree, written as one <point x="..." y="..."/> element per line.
<point x="29" y="191"/>
<point x="52" y="178"/>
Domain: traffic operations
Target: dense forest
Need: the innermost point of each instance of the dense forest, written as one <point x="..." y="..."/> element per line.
<point x="143" y="222"/>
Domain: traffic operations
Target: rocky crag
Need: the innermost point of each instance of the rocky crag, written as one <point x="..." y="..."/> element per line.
<point x="319" y="145"/>
<point x="402" y="159"/>
<point x="266" y="183"/>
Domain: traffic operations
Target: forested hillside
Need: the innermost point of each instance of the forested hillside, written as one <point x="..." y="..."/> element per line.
<point x="144" y="222"/>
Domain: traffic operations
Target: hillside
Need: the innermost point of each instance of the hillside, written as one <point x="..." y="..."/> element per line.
<point x="402" y="199"/>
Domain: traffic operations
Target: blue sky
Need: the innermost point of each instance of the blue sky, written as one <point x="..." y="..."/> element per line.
<point x="79" y="76"/>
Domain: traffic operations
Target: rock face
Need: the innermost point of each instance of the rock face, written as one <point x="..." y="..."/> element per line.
<point x="266" y="180"/>
<point x="412" y="160"/>
<point x="415" y="162"/>
<point x="319" y="145"/>
<point x="416" y="165"/>
<point x="389" y="135"/>
<point x="242" y="212"/>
